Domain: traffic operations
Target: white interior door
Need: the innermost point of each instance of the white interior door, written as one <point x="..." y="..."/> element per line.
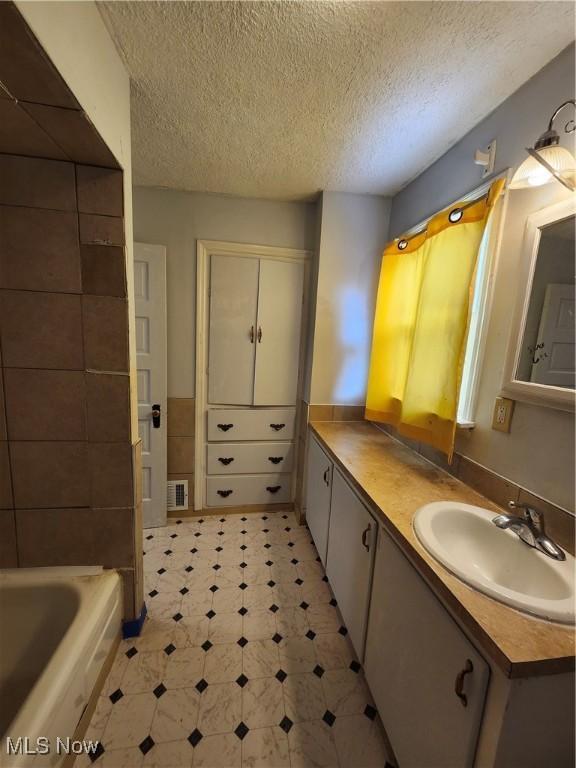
<point x="232" y="334"/>
<point x="278" y="337"/>
<point x="150" y="306"/>
<point x="555" y="366"/>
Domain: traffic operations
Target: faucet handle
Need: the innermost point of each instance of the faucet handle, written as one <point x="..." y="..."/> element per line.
<point x="530" y="513"/>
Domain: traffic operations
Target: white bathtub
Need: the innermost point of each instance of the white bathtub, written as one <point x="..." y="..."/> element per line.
<point x="57" y="628"/>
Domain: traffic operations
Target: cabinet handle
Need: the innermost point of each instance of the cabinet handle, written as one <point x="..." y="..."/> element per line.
<point x="326" y="476"/>
<point x="225" y="461"/>
<point x="275" y="459"/>
<point x="224" y="494"/>
<point x="273" y="488"/>
<point x="459" y="682"/>
<point x="225" y="427"/>
<point x="251" y="334"/>
<point x="364" y="537"/>
<point x="277" y="427"/>
<point x="259" y="335"/>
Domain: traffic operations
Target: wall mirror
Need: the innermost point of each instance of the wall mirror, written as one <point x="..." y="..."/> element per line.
<point x="540" y="364"/>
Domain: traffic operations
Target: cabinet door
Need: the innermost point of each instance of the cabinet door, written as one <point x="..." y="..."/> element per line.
<point x="318" y="490"/>
<point x="351" y="543"/>
<point x="415" y="654"/>
<point x="232" y="336"/>
<point x="278" y="335"/>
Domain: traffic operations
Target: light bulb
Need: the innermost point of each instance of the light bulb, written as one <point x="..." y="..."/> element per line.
<point x="539" y="176"/>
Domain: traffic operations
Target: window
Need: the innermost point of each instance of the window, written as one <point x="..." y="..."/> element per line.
<point x="477" y="329"/>
<point x="480" y="309"/>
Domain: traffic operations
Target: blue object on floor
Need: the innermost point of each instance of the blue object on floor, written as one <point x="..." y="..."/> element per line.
<point x="133" y="627"/>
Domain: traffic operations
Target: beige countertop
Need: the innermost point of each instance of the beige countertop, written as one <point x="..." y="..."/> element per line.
<point x="395" y="482"/>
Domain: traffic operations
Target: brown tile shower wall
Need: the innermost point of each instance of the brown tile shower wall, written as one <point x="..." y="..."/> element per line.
<point x="181" y="443"/>
<point x="67" y="464"/>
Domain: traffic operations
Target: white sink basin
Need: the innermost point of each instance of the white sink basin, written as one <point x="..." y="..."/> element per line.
<point x="494" y="561"/>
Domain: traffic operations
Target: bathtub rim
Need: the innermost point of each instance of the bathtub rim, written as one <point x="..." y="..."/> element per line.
<point x="97" y="586"/>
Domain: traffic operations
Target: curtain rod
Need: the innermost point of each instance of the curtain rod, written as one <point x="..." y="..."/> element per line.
<point x="469" y="199"/>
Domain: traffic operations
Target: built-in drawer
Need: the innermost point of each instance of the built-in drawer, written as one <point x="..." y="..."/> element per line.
<point x="256" y="424"/>
<point x="248" y="458"/>
<point x="233" y="490"/>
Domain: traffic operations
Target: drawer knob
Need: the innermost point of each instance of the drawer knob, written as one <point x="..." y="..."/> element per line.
<point x="273" y="488"/>
<point x="225" y="493"/>
<point x="275" y="459"/>
<point x="277" y="427"/>
<point x="225" y="461"/>
<point x="459" y="682"/>
<point x="225" y="427"/>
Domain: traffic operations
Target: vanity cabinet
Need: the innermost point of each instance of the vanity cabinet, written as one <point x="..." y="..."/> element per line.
<point x="319" y="471"/>
<point x="428" y="681"/>
<point x="351" y="545"/>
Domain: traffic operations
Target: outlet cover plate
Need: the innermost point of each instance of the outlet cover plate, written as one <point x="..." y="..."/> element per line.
<point x="502" y="416"/>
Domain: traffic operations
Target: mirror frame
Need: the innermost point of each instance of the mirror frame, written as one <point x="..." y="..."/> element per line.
<point x="526" y="391"/>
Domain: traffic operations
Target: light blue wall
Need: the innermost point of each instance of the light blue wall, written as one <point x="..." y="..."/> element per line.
<point x="177" y="220"/>
<point x="353" y="230"/>
<point x="515" y="124"/>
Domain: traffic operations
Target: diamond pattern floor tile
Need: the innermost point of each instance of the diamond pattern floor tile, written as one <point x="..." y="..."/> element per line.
<point x="243" y="660"/>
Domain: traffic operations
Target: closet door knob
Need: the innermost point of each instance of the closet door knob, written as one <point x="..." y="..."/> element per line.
<point x="273" y="488"/>
<point x="225" y="493"/>
<point x="225" y="461"/>
<point x="277" y="427"/>
<point x="275" y="459"/>
<point x="225" y="427"/>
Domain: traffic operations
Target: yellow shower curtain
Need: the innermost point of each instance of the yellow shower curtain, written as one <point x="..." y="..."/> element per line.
<point x="421" y="324"/>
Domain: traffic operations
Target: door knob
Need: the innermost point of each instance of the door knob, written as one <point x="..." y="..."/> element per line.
<point x="156" y="415"/>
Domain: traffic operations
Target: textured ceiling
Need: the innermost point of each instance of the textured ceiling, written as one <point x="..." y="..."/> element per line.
<point x="282" y="99"/>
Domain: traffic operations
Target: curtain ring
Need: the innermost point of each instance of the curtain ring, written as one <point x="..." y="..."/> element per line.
<point x="402" y="244"/>
<point x="455" y="215"/>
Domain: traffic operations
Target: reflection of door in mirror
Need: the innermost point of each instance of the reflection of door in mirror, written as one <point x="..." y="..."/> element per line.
<point x="547" y="354"/>
<point x="556" y="338"/>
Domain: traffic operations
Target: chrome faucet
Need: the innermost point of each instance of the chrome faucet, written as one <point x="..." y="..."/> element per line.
<point x="530" y="528"/>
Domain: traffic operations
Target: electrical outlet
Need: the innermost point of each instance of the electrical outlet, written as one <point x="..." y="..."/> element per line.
<point x="503" y="408"/>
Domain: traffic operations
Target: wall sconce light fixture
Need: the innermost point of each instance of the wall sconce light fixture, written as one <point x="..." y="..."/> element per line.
<point x="548" y="160"/>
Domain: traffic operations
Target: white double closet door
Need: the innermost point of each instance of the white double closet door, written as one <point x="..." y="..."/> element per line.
<point x="255" y="328"/>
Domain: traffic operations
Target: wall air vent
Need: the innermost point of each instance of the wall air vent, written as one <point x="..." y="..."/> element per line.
<point x="177" y="494"/>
